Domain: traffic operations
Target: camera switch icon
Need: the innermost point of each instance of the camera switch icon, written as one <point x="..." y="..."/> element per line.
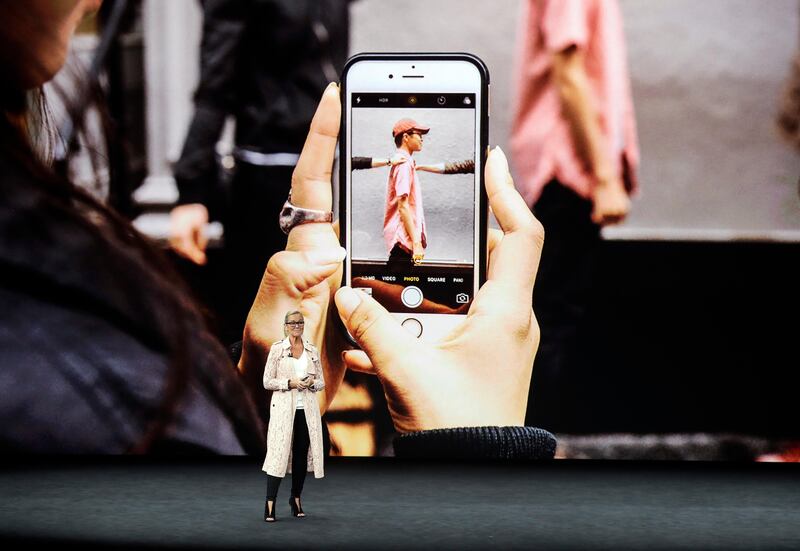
<point x="462" y="298"/>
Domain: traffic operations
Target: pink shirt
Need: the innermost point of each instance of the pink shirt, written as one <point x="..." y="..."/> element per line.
<point x="403" y="180"/>
<point x="541" y="142"/>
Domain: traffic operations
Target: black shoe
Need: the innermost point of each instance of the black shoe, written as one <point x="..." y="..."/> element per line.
<point x="297" y="510"/>
<point x="269" y="516"/>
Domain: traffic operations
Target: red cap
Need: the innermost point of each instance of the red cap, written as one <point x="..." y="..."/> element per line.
<point x="404" y="125"/>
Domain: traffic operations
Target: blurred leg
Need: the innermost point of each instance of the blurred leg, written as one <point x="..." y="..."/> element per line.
<point x="561" y="296"/>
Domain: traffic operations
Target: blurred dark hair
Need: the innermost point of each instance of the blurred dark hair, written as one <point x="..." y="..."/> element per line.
<point x="152" y="295"/>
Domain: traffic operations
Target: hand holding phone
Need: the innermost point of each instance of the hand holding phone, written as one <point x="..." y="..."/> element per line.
<point x="499" y="332"/>
<point x="485" y="364"/>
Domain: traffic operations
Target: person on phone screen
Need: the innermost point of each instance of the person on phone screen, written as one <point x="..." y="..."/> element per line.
<point x="404" y="217"/>
<point x="294" y="374"/>
<point x="576" y="154"/>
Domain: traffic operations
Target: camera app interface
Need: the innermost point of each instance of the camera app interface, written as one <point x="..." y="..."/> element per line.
<point x="412" y="200"/>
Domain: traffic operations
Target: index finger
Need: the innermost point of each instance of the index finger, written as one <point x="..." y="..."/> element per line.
<point x="515" y="259"/>
<point x="311" y="179"/>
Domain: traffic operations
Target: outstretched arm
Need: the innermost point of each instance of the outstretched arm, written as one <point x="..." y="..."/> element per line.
<point x="437" y="168"/>
<point x="460" y="167"/>
<point x="360" y="163"/>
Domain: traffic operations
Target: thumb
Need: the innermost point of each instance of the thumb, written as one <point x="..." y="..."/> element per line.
<point x="357" y="360"/>
<point x="300" y="271"/>
<point x="373" y="328"/>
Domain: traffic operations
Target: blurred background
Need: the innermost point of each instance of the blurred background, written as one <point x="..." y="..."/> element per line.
<point x="688" y="350"/>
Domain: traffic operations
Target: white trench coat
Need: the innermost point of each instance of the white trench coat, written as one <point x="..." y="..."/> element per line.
<point x="277" y="372"/>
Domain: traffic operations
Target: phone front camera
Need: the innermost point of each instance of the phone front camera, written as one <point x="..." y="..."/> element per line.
<point x="391" y="76"/>
<point x="441" y="100"/>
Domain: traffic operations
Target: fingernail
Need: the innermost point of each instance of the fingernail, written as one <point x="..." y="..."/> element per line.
<point x="333" y="85"/>
<point x="503" y="173"/>
<point x="502" y="154"/>
<point x="326" y="256"/>
<point x="348" y="300"/>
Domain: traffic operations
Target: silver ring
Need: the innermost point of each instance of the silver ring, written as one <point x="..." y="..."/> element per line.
<point x="292" y="215"/>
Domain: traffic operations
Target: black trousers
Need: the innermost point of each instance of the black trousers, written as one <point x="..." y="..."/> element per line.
<point x="560" y="300"/>
<point x="400" y="260"/>
<point x="399" y="254"/>
<point x="300" y="445"/>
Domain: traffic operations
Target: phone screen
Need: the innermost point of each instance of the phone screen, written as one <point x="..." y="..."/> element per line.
<point x="412" y="222"/>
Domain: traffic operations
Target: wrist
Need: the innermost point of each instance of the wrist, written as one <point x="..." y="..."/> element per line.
<point x="607" y="180"/>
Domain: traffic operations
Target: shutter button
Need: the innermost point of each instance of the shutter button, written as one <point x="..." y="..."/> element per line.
<point x="411" y="296"/>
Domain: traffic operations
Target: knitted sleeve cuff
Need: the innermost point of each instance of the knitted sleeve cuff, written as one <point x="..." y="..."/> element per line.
<point x="461" y="167"/>
<point x="477" y="443"/>
<point x="360" y="163"/>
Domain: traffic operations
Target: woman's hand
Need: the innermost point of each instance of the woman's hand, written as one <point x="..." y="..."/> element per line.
<point x="305" y="275"/>
<point x="480" y="373"/>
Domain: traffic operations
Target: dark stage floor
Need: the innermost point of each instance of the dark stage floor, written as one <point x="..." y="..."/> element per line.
<point x="388" y="504"/>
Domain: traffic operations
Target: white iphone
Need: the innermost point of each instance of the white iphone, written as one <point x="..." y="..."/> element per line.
<point x="412" y="201"/>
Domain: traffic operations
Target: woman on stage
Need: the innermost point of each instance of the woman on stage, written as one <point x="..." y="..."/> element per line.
<point x="294" y="439"/>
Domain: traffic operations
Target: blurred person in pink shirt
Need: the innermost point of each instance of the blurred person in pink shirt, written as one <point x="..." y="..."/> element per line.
<point x="575" y="154"/>
<point x="404" y="217"/>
